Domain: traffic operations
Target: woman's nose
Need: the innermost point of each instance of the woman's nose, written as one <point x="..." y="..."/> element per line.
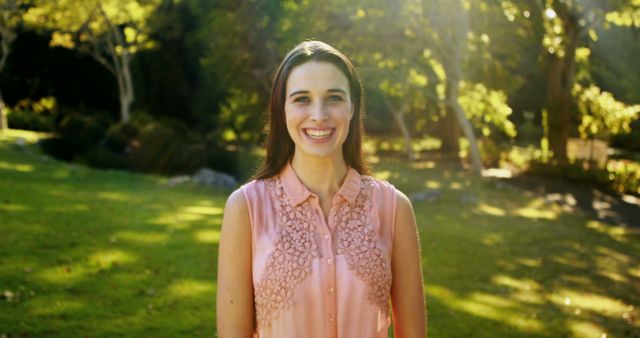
<point x="318" y="112"/>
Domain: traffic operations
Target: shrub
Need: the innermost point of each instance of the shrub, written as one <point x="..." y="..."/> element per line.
<point x="166" y="146"/>
<point x="163" y="150"/>
<point x="490" y="152"/>
<point x="76" y="135"/>
<point x="30" y="120"/>
<point x="102" y="157"/>
<point x="82" y="132"/>
<point x="618" y="176"/>
<point x="59" y="148"/>
<point x="120" y="137"/>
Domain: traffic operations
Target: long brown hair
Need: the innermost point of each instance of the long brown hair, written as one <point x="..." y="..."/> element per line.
<point x="279" y="145"/>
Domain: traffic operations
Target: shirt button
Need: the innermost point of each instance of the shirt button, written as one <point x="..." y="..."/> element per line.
<point x="331" y="290"/>
<point x="330" y="317"/>
<point x="329" y="261"/>
<point x="327" y="237"/>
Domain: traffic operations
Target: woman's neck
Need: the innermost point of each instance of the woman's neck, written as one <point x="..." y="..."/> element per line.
<point x="322" y="176"/>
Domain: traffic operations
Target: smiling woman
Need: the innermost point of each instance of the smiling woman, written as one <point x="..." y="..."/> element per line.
<point x="318" y="110"/>
<point x="313" y="246"/>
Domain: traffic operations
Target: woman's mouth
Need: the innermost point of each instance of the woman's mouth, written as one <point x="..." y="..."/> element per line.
<point x="318" y="134"/>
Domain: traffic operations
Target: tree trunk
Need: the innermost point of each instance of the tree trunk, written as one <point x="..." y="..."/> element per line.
<point x="561" y="72"/>
<point x="408" y="143"/>
<point x="119" y="66"/>
<point x="4" y="124"/>
<point x="125" y="87"/>
<point x="398" y="114"/>
<point x="6" y="39"/>
<point x="452" y="64"/>
<point x="465" y="125"/>
<point x="450" y="133"/>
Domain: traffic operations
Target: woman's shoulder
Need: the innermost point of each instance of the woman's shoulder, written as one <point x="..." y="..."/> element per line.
<point x="255" y="190"/>
<point x="256" y="184"/>
<point x="388" y="188"/>
<point x="378" y="183"/>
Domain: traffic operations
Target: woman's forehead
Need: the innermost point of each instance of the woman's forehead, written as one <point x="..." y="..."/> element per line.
<point x="316" y="76"/>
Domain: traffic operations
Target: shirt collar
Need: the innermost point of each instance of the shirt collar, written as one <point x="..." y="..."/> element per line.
<point x="298" y="193"/>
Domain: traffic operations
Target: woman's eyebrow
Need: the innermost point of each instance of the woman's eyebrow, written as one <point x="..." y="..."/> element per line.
<point x="332" y="90"/>
<point x="337" y="90"/>
<point x="299" y="92"/>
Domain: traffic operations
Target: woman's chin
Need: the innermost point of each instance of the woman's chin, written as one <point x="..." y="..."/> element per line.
<point x="319" y="152"/>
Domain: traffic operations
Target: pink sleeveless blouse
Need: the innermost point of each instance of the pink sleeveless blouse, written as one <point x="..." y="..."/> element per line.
<point x="318" y="278"/>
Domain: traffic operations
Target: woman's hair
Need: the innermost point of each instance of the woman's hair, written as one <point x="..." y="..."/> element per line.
<point x="280" y="146"/>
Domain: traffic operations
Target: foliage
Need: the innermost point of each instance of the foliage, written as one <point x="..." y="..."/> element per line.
<point x="570" y="27"/>
<point x="111" y="31"/>
<point x="616" y="50"/>
<point x="602" y="114"/>
<point x="76" y="134"/>
<point x="93" y="21"/>
<point x="34" y="115"/>
<point x="168" y="148"/>
<point x="121" y="137"/>
<point x="487" y="109"/>
<point x="209" y="64"/>
<point x="618" y="176"/>
<point x="30" y="120"/>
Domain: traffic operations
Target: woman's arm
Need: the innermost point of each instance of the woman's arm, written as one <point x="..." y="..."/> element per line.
<point x="235" y="308"/>
<point x="407" y="293"/>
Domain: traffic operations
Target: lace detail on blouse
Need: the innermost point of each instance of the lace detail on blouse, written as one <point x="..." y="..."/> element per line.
<point x="358" y="242"/>
<point x="290" y="262"/>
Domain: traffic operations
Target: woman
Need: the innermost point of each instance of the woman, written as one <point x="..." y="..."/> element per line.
<point x="313" y="246"/>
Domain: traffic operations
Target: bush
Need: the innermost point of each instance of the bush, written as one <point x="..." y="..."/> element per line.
<point x="120" y="137"/>
<point x="82" y="132"/>
<point x="164" y="150"/>
<point x="76" y="135"/>
<point x="490" y="152"/>
<point x="30" y="120"/>
<point x="165" y="147"/>
<point x="59" y="148"/>
<point x="618" y="176"/>
<point x="102" y="157"/>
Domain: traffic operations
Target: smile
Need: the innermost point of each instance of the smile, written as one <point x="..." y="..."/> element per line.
<point x="319" y="133"/>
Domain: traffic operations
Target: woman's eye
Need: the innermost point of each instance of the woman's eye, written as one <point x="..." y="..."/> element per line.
<point x="302" y="99"/>
<point x="335" y="98"/>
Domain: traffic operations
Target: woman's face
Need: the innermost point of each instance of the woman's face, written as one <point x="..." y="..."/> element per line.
<point x="318" y="109"/>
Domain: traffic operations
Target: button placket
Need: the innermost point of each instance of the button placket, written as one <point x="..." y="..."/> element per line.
<point x="329" y="267"/>
<point x="331" y="303"/>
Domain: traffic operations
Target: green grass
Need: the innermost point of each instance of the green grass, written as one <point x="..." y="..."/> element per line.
<point x="101" y="254"/>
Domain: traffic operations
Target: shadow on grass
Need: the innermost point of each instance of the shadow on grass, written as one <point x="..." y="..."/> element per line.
<point x="509" y="264"/>
<point x="96" y="253"/>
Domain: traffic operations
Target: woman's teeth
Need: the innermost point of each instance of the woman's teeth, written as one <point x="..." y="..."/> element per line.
<point x="318" y="133"/>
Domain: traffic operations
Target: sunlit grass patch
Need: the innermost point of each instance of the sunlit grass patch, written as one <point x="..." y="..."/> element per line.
<point x="81" y="254"/>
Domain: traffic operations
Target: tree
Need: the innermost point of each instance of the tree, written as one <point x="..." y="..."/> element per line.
<point x="569" y="24"/>
<point x="111" y="31"/>
<point x="451" y="28"/>
<point x="242" y="51"/>
<point x="11" y="12"/>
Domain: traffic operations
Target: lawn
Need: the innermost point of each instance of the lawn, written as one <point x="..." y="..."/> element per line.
<point x="93" y="253"/>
